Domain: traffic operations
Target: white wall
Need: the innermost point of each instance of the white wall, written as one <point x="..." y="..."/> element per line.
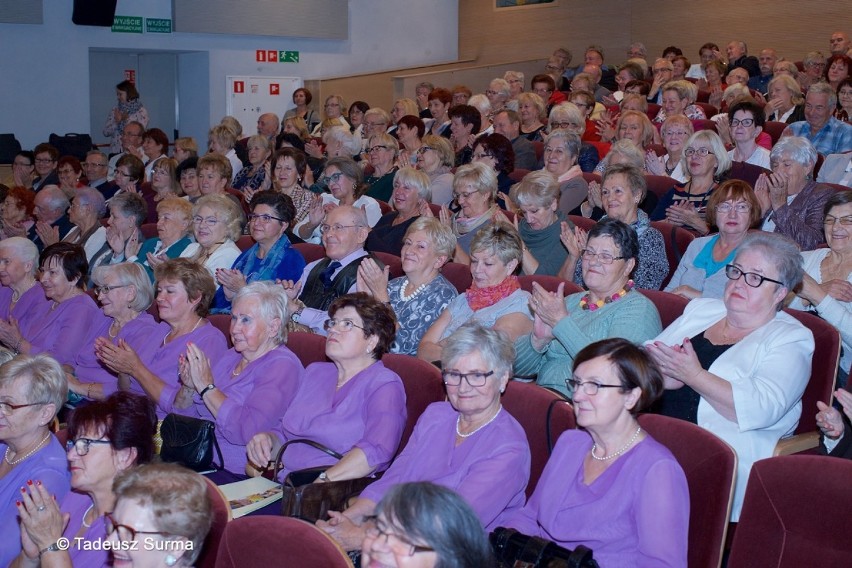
<point x="45" y="68"/>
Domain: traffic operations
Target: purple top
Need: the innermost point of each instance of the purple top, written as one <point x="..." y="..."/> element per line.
<point x="256" y="399"/>
<point x="65" y="330"/>
<point x="162" y="360"/>
<point x="77" y="505"/>
<point x="490" y="469"/>
<point x="368" y="412"/>
<point x="137" y="333"/>
<point x="30" y="310"/>
<point x="47" y="465"/>
<point x="636" y="513"/>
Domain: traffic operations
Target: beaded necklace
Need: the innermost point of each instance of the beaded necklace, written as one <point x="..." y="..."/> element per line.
<point x="28" y="454"/>
<point x="587" y="304"/>
<point x="619" y="452"/>
<point x="405" y="297"/>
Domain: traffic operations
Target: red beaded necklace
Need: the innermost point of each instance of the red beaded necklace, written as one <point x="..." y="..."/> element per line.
<point x="587" y="304"/>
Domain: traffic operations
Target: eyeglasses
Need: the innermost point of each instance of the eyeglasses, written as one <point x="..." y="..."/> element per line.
<point x="658" y="71"/>
<point x="482" y="156"/>
<point x="213" y="221"/>
<point x="81" y="445"/>
<point x="703" y="152"/>
<point x="333" y="178"/>
<point x="603" y="257"/>
<point x="744" y="122"/>
<point x="831" y="220"/>
<point x="727" y="207"/>
<point x="474" y="379"/>
<point x="94" y="165"/>
<point x="261" y="218"/>
<point x="342" y="326"/>
<point x="122" y="173"/>
<point x="7" y="408"/>
<point x="580" y="104"/>
<point x="126" y="533"/>
<point x="423" y="149"/>
<point x="374" y="125"/>
<point x="491" y="93"/>
<point x="337" y="227"/>
<point x="375" y="149"/>
<point x="588" y="387"/>
<point x="555" y="125"/>
<point x="675" y="133"/>
<point x="463" y="194"/>
<point x="107" y="289"/>
<point x="753" y="279"/>
<point x="331" y="105"/>
<point x="374" y="531"/>
<point x="44" y="160"/>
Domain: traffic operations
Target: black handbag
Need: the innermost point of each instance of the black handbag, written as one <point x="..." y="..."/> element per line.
<point x="514" y="549"/>
<point x="309" y="501"/>
<point x="190" y="442"/>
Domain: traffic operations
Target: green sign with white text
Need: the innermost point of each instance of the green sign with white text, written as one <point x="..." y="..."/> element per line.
<point x="127" y="24"/>
<point x="158" y="25"/>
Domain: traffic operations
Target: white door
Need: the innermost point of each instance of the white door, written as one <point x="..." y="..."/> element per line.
<point x="250" y="97"/>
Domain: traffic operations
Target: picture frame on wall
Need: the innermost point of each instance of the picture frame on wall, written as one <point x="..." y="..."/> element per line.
<point x="501" y="5"/>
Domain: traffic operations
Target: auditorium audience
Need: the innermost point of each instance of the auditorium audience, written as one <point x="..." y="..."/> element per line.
<point x="129" y="109"/>
<point x="155" y="144"/>
<point x="744" y="364"/>
<point x="127" y="212"/>
<point x="22" y="299"/>
<point x="495" y="150"/>
<point x="436" y="159"/>
<point x="827" y="134"/>
<point x="381" y="150"/>
<point x="46" y="157"/>
<point x="256" y="175"/>
<point x="52" y="225"/>
<point x="16" y="212"/>
<point x="567" y="116"/>
<point x="216" y="227"/>
<point x="537" y="197"/>
<point x="173" y="240"/>
<point x="675" y="131"/>
<point x="561" y="151"/>
<point x="410" y="200"/>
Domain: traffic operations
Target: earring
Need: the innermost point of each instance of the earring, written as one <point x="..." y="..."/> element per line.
<point x="171" y="560"/>
<point x="502" y="390"/>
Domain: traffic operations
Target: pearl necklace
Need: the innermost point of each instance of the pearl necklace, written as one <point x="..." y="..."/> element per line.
<point x="619" y="452"/>
<point x="15" y="299"/>
<point x="85" y="524"/>
<point x="469" y="434"/>
<point x="405" y="297"/>
<point x="28" y="454"/>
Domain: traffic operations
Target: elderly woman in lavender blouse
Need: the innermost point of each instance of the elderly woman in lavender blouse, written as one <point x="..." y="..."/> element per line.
<point x="248" y="389"/>
<point x="63" y="330"/>
<point x="21" y="294"/>
<point x="353" y="405"/>
<point x="467" y="444"/>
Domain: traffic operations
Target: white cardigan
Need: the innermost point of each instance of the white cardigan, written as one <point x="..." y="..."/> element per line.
<point x="768" y="371"/>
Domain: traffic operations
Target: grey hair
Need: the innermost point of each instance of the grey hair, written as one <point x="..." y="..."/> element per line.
<point x="513" y="75"/>
<point x="386" y="139"/>
<point x="635" y="178"/>
<point x="92" y="197"/>
<point x="538" y="188"/>
<point x="571" y="141"/>
<point x="781" y="252"/>
<point x="723" y="160"/>
<point x="481" y="103"/>
<point x="442" y="236"/>
<point x="351" y="143"/>
<point x="42" y="377"/>
<point x="494" y="346"/>
<point x="225" y="207"/>
<point x="24" y="249"/>
<point x="627" y="149"/>
<point x="823" y="88"/>
<point x="483" y="178"/>
<point x="570" y="113"/>
<point x="502" y="87"/>
<point x="273" y="304"/>
<point x="797" y="148"/>
<point x="130" y="205"/>
<point x="379" y="113"/>
<point x="417" y="179"/>
<point x="500" y="239"/>
<point x="129" y="274"/>
<point x="640" y="47"/>
<point x="56" y="198"/>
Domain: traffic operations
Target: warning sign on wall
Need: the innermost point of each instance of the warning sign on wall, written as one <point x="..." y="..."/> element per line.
<point x="130" y="75"/>
<point x="239" y="87"/>
<point x="274" y="89"/>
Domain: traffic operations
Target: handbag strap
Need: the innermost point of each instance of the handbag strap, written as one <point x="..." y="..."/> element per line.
<point x="548" y="418"/>
<point x="218" y="451"/>
<point x="279" y="456"/>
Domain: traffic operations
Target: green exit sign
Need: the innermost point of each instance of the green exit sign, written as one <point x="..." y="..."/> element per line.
<point x="127" y="24"/>
<point x="158" y="25"/>
<point x="288" y="56"/>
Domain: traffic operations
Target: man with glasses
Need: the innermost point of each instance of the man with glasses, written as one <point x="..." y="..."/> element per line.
<point x="508" y="123"/>
<point x="51" y="212"/>
<point x="23" y="169"/>
<point x="96" y="168"/>
<point x="131" y="143"/>
<point x="344" y="232"/>
<point x="663" y="71"/>
<point x="46" y="157"/>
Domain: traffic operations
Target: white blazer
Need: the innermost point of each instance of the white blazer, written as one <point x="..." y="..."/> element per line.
<point x="768" y="371"/>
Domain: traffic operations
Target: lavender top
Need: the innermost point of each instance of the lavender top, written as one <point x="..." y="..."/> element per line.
<point x="162" y="360"/>
<point x="636" y="513"/>
<point x="77" y="504"/>
<point x="47" y="465"/>
<point x="256" y="399"/>
<point x="65" y="330"/>
<point x="30" y="310"/>
<point x="368" y="412"/>
<point x="490" y="469"/>
<point x="137" y="333"/>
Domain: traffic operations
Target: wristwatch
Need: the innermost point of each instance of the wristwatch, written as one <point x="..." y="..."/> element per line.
<point x="207" y="389"/>
<point x="295" y="315"/>
<point x="323" y="477"/>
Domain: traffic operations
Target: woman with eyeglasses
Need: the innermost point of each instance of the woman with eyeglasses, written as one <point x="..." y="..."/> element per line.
<point x="738" y="366"/>
<point x="675" y="131"/>
<point x="128" y="109"/>
<point x="609" y="485"/>
<point x="164" y="506"/>
<point x="436" y="159"/>
<point x="706" y="162"/>
<point x="485" y="453"/>
<point x="129" y="174"/>
<point x="332" y="114"/>
<point x="609" y="308"/>
<point x="124" y="293"/>
<point x="428" y="521"/>
<point x="495" y="150"/>
<point x="567" y="116"/>
<point x="272" y="257"/>
<point x="792" y="203"/>
<point x="560" y="159"/>
<point x="381" y="150"/>
<point x="173" y="240"/>
<point x="216" y="225"/>
<point x="345" y="180"/>
<point x="827" y="282"/>
<point x="105" y="439"/>
<point x="353" y="405"/>
<point x="289" y="166"/>
<point x="70" y="170"/>
<point x="32" y="390"/>
<point x="733" y="209"/>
